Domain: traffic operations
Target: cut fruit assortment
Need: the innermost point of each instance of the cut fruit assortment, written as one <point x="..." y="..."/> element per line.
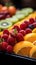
<point x="19" y="38"/>
<point x="15" y="18"/>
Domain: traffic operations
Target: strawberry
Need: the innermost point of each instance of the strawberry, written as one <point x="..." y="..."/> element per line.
<point x="23" y="32"/>
<point x="13" y="32"/>
<point x="11" y="40"/>
<point x="9" y="49"/>
<point x="28" y="30"/>
<point x="31" y="20"/>
<point x="27" y="23"/>
<point x="6" y="32"/>
<point x="17" y="28"/>
<point x="4" y="45"/>
<point x="19" y="37"/>
<point x="5" y="37"/>
<point x="23" y="26"/>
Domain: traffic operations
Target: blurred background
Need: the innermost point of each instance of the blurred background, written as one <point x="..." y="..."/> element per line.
<point x="20" y="3"/>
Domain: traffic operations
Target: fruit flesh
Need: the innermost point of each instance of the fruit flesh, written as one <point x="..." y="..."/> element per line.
<point x="24" y="51"/>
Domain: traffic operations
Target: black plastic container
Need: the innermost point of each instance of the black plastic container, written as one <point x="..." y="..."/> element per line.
<point x="15" y="59"/>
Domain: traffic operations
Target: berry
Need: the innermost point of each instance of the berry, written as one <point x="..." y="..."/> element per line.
<point x="6" y="32"/>
<point x="23" y="26"/>
<point x="31" y="20"/>
<point x="28" y="30"/>
<point x="31" y="26"/>
<point x="19" y="37"/>
<point x="17" y="28"/>
<point x="5" y="37"/>
<point x="27" y="23"/>
<point x="4" y="45"/>
<point x="23" y="32"/>
<point x="13" y="32"/>
<point x="11" y="41"/>
<point x="9" y="49"/>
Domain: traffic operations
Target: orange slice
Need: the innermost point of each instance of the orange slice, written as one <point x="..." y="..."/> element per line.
<point x="34" y="42"/>
<point x="30" y="37"/>
<point x="33" y="52"/>
<point x="34" y="30"/>
<point x="23" y="48"/>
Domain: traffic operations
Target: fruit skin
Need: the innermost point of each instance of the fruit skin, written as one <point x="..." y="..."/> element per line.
<point x="9" y="49"/>
<point x="5" y="37"/>
<point x="19" y="37"/>
<point x="13" y="32"/>
<point x="22" y="32"/>
<point x="27" y="23"/>
<point x="12" y="10"/>
<point x="11" y="41"/>
<point x="30" y="37"/>
<point x="31" y="20"/>
<point x="16" y="27"/>
<point x="21" y="45"/>
<point x="6" y="32"/>
<point x="23" y="26"/>
<point x="28" y="30"/>
<point x="4" y="45"/>
<point x="33" y="51"/>
<point x="34" y="30"/>
<point x="4" y="8"/>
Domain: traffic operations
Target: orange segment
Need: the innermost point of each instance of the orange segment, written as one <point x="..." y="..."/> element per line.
<point x="34" y="30"/>
<point x="23" y="48"/>
<point x="34" y="42"/>
<point x="30" y="37"/>
<point x="33" y="52"/>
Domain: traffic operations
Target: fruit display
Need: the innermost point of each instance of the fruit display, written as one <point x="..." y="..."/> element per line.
<point x="18" y="31"/>
<point x="27" y="46"/>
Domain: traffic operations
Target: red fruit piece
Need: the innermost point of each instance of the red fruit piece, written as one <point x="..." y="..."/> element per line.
<point x="28" y="30"/>
<point x="4" y="45"/>
<point x="5" y="37"/>
<point x="9" y="49"/>
<point x="13" y="32"/>
<point x="19" y="37"/>
<point x="11" y="41"/>
<point x="17" y="28"/>
<point x="23" y="26"/>
<point x="22" y="32"/>
<point x="6" y="32"/>
<point x="31" y="20"/>
<point x="27" y="23"/>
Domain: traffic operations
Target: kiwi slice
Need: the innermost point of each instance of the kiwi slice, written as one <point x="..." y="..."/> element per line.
<point x="27" y="10"/>
<point x="14" y="20"/>
<point x="5" y="25"/>
<point x="20" y="16"/>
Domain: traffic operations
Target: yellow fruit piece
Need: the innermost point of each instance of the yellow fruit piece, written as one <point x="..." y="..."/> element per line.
<point x="34" y="30"/>
<point x="34" y="42"/>
<point x="1" y="33"/>
<point x="23" y="48"/>
<point x="30" y="37"/>
<point x="33" y="52"/>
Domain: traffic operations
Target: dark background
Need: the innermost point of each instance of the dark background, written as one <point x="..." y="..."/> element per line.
<point x="22" y="3"/>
